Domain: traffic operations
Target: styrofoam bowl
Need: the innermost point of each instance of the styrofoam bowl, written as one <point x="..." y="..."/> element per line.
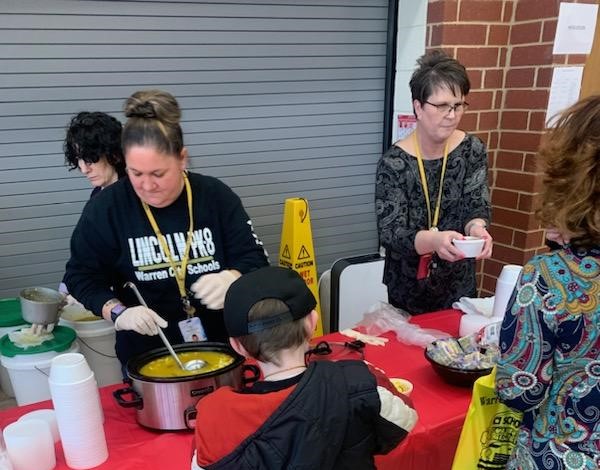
<point x="402" y="385"/>
<point x="69" y="368"/>
<point x="30" y="445"/>
<point x="470" y="246"/>
<point x="47" y="415"/>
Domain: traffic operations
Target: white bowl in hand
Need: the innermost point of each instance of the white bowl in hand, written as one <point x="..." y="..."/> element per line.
<point x="470" y="246"/>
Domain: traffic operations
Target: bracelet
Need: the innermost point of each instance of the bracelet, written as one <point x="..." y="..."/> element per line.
<point x="470" y="226"/>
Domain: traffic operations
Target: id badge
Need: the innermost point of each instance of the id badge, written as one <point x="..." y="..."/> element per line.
<point x="424" y="265"/>
<point x="192" y="330"/>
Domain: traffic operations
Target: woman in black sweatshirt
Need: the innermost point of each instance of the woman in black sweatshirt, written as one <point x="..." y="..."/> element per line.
<point x="182" y="238"/>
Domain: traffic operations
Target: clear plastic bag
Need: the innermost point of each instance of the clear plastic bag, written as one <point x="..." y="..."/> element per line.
<point x="383" y="317"/>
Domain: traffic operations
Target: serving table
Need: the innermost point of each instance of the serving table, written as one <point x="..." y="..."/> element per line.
<point x="430" y="446"/>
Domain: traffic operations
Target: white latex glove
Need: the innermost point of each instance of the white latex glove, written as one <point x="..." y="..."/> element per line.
<point x="141" y="320"/>
<point x="211" y="288"/>
<point x="70" y="300"/>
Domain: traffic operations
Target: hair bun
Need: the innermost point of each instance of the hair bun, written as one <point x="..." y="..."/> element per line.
<point x="142" y="110"/>
<point x="153" y="104"/>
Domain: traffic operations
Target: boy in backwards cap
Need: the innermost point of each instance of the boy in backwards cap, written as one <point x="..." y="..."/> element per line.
<point x="329" y="415"/>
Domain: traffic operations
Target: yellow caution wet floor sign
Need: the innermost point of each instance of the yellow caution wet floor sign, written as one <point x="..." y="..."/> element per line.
<point x="296" y="250"/>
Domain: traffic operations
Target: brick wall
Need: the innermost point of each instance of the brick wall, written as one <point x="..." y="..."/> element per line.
<point x="506" y="46"/>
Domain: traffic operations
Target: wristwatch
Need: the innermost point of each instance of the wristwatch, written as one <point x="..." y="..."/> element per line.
<point x="116" y="311"/>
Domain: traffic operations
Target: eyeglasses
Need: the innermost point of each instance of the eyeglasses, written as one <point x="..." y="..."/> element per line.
<point x="445" y="108"/>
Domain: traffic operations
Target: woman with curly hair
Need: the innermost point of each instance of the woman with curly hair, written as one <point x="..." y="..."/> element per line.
<point x="93" y="145"/>
<point x="550" y="338"/>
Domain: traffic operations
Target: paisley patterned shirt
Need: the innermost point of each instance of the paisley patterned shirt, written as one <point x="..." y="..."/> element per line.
<point x="402" y="212"/>
<point x="550" y="361"/>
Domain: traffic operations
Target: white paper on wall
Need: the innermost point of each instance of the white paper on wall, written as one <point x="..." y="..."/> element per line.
<point x="564" y="91"/>
<point x="575" y="28"/>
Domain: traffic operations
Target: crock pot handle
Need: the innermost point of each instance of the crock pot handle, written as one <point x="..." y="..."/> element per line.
<point x="135" y="402"/>
<point x="252" y="369"/>
<point x="189" y="417"/>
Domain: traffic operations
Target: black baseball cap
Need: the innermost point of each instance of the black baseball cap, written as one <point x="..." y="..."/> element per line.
<point x="270" y="282"/>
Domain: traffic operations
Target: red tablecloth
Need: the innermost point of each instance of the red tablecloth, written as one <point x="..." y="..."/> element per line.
<point x="431" y="444"/>
<point x="441" y="407"/>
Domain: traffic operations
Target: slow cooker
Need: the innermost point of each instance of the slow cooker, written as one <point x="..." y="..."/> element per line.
<point x="169" y="403"/>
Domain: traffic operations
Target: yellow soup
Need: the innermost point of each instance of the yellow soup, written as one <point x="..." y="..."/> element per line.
<point x="166" y="366"/>
<point x="402" y="385"/>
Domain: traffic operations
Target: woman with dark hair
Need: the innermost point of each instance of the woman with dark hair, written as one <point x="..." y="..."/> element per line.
<point x="182" y="238"/>
<point x="431" y="187"/>
<point x="550" y="339"/>
<point x="93" y="145"/>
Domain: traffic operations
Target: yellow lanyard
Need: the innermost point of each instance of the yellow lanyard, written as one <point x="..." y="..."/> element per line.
<point x="432" y="222"/>
<point x="178" y="272"/>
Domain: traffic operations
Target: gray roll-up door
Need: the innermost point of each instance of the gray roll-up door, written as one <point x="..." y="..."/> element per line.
<point x="280" y="99"/>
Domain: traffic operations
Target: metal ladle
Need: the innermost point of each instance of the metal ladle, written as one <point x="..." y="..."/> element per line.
<point x="192" y="365"/>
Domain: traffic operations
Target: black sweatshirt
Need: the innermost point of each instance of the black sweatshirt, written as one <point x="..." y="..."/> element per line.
<point x="113" y="243"/>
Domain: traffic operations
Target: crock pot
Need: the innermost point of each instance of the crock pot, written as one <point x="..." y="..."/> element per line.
<point x="169" y="403"/>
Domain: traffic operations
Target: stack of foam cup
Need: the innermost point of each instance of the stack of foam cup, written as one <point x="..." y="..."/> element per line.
<point x="29" y="445"/>
<point x="504" y="288"/>
<point x="78" y="411"/>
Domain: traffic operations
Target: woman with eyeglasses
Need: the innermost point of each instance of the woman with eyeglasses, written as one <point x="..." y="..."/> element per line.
<point x="431" y="188"/>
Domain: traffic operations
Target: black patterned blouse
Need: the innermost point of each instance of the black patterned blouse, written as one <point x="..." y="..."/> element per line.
<point x="402" y="212"/>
